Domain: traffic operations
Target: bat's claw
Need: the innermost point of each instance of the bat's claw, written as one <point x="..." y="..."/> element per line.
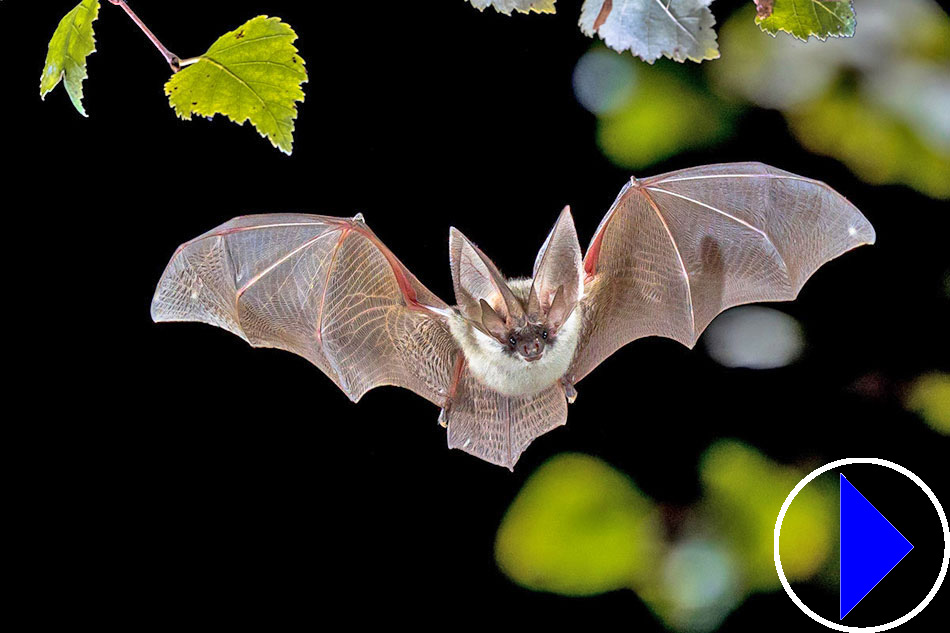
<point x="569" y="391"/>
<point x="444" y="417"/>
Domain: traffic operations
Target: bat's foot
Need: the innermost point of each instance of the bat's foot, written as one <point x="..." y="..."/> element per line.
<point x="569" y="391"/>
<point x="444" y="417"/>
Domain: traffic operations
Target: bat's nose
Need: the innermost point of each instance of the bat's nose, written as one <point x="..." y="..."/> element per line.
<point x="532" y="350"/>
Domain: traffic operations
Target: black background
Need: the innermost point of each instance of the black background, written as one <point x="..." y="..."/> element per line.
<point x="172" y="474"/>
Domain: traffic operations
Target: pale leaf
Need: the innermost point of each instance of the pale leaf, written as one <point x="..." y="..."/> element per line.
<point x="650" y="29"/>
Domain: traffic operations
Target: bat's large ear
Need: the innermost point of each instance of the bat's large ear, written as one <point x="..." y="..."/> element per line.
<point x="559" y="266"/>
<point x="476" y="278"/>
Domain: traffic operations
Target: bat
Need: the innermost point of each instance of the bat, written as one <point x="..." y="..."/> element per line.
<point x="672" y="252"/>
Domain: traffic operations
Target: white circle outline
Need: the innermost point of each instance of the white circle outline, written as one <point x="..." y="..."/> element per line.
<point x="946" y="545"/>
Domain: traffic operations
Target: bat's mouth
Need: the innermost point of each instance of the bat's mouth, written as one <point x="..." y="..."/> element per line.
<point x="533" y="357"/>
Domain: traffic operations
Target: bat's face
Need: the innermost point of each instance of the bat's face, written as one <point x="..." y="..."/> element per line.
<point x="523" y="315"/>
<point x="529" y="342"/>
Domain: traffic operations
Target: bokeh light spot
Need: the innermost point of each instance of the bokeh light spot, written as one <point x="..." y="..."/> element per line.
<point x="702" y="584"/>
<point x="603" y="81"/>
<point x="754" y="337"/>
<point x="929" y="397"/>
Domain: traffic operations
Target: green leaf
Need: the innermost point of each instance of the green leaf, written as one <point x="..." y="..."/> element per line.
<point x="650" y="29"/>
<point x="806" y="18"/>
<point x="72" y="42"/>
<point x="252" y="73"/>
<point x="521" y="6"/>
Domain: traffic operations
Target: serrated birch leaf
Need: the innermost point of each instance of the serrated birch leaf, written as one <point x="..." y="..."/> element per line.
<point x="522" y="6"/>
<point x="72" y="42"/>
<point x="650" y="29"/>
<point x="806" y="18"/>
<point x="252" y="73"/>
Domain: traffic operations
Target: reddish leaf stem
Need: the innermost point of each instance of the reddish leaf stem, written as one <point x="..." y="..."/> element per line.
<point x="169" y="56"/>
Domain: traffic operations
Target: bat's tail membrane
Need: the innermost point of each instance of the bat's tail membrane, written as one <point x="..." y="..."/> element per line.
<point x="498" y="428"/>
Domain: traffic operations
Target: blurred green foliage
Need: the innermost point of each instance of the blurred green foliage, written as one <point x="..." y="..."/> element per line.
<point x="578" y="527"/>
<point x="665" y="113"/>
<point x="744" y="493"/>
<point x="879" y="101"/>
<point x="929" y="397"/>
<point x="829" y="125"/>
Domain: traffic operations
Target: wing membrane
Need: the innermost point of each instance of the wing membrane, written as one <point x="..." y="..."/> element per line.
<point x="323" y="288"/>
<point x="677" y="249"/>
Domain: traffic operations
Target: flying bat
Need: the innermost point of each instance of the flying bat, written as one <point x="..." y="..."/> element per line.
<point x="672" y="252"/>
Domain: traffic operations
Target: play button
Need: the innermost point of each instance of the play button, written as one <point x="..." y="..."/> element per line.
<point x="873" y="550"/>
<point x="870" y="547"/>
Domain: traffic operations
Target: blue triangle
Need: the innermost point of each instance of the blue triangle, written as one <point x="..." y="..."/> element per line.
<point x="870" y="547"/>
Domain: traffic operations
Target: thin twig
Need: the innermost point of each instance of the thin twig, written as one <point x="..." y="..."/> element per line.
<point x="169" y="56"/>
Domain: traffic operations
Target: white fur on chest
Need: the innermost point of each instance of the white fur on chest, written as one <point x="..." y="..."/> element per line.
<point x="511" y="375"/>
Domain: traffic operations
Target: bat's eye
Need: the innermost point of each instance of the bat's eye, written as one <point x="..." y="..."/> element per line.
<point x="512" y="341"/>
<point x="544" y="334"/>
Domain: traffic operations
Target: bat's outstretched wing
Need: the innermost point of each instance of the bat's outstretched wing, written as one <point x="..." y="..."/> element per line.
<point x="322" y="287"/>
<point x="677" y="249"/>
